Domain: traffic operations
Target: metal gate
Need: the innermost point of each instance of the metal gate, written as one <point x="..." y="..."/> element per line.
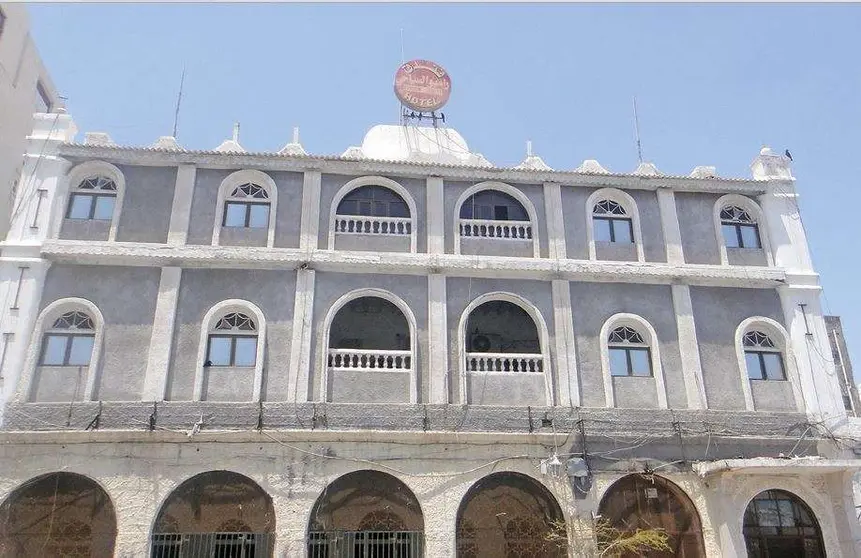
<point x="365" y="544"/>
<point x="212" y="545"/>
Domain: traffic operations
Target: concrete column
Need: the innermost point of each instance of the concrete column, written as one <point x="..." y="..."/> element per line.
<point x="310" y="222"/>
<point x="435" y="215"/>
<point x="557" y="248"/>
<point x="438" y="369"/>
<point x="565" y="364"/>
<point x="180" y="213"/>
<point x="692" y="371"/>
<point x="670" y="226"/>
<point x="298" y="389"/>
<point x="161" y="341"/>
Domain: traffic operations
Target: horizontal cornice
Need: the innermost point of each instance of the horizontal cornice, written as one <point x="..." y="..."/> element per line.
<point x="360" y="167"/>
<point x="542" y="269"/>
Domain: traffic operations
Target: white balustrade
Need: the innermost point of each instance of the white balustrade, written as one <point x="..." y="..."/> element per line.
<point x="365" y="224"/>
<point x="504" y="362"/>
<point x="486" y="228"/>
<point x="370" y="359"/>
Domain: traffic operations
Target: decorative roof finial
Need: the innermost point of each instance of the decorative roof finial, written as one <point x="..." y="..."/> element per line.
<point x="236" y="132"/>
<point x="295" y="134"/>
<point x="529" y="148"/>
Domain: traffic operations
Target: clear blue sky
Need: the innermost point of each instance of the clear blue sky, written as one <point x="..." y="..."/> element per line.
<point x="713" y="83"/>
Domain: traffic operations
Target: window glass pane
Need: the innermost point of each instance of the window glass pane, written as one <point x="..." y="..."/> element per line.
<point x="767" y="513"/>
<point x="749" y="236"/>
<point x="82" y="350"/>
<point x="398" y="209"/>
<point x="730" y="237"/>
<point x="754" y="370"/>
<point x="347" y="207"/>
<point x="602" y="230"/>
<point x="787" y="513"/>
<point x="500" y="212"/>
<point x="773" y="366"/>
<point x="640" y="362"/>
<point x="246" y="351"/>
<point x="622" y="230"/>
<point x="234" y="214"/>
<point x="219" y="351"/>
<point x="381" y="209"/>
<point x="54" y="351"/>
<point x="104" y="208"/>
<point x="259" y="216"/>
<point x="365" y="207"/>
<point x="618" y="362"/>
<point x="79" y="207"/>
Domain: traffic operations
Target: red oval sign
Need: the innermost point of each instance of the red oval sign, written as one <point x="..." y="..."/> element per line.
<point x="422" y="85"/>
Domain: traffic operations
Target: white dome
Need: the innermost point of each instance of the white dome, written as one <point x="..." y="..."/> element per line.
<point x="419" y="144"/>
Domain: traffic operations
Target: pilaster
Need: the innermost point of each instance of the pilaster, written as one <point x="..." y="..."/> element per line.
<point x="670" y="226"/>
<point x="692" y="371"/>
<point x="435" y="215"/>
<point x="161" y="341"/>
<point x="438" y="369"/>
<point x="557" y="248"/>
<point x="566" y="377"/>
<point x="310" y="221"/>
<point x="181" y="209"/>
<point x="298" y="387"/>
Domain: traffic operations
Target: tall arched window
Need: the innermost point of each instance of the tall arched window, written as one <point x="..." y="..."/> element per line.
<point x="94" y="198"/>
<point x="232" y="342"/>
<point x="70" y="341"/>
<point x="611" y="223"/>
<point x="778" y="523"/>
<point x="93" y="203"/>
<point x="631" y="363"/>
<point x="629" y="353"/>
<point x="763" y="360"/>
<point x="613" y="226"/>
<point x="739" y="229"/>
<point x="247" y="207"/>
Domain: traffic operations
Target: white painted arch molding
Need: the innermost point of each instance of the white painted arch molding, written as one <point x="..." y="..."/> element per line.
<point x="540" y="325"/>
<point x="642" y="326"/>
<point x="515" y="193"/>
<point x="323" y="342"/>
<point x="780" y="336"/>
<point x="91" y="169"/>
<point x="236" y="179"/>
<point x="374" y="181"/>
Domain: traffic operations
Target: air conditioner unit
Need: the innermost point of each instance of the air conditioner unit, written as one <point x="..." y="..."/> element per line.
<point x="479" y="343"/>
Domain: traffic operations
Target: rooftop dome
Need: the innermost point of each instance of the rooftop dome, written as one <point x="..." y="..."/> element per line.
<point x="419" y="144"/>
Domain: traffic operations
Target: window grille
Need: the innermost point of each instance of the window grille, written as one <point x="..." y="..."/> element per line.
<point x="777" y="523"/>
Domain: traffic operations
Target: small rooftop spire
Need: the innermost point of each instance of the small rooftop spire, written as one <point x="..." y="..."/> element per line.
<point x="294" y="147"/>
<point x="236" y="132"/>
<point x="529" y="148"/>
<point x="295" y="134"/>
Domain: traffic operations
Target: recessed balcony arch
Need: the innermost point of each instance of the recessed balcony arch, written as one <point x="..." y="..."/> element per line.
<point x="370" y="349"/>
<point x="496" y="219"/>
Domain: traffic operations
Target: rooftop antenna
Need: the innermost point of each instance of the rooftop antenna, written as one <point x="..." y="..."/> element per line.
<point x="236" y="132"/>
<point x="529" y="148"/>
<point x="637" y="132"/>
<point x="295" y="134"/>
<point x="178" y="101"/>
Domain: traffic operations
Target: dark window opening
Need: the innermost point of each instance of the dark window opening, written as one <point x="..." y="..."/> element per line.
<point x="493" y="205"/>
<point x="373" y="201"/>
<point x="778" y="524"/>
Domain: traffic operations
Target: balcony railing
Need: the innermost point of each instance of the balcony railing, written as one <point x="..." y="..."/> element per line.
<point x="486" y="228"/>
<point x="213" y="545"/>
<point x="365" y="544"/>
<point x="504" y="362"/>
<point x="370" y="359"/>
<point x="365" y="224"/>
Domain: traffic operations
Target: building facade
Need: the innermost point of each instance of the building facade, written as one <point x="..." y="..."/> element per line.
<point x="25" y="89"/>
<point x="406" y="351"/>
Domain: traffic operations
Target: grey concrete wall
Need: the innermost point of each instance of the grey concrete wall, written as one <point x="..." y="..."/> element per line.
<point x="59" y="383"/>
<point x="379" y="386"/>
<point x="372" y="242"/>
<point x="771" y="395"/>
<point x="203" y="204"/>
<point x="497" y="247"/>
<point x="574" y="213"/>
<point x="147" y="204"/>
<point x="593" y="303"/>
<point x="635" y="392"/>
<point x="654" y="247"/>
<point x="717" y="313"/>
<point x="80" y="229"/>
<point x="510" y="388"/>
<point x="696" y="224"/>
<point x="615" y="251"/>
<point x="241" y="236"/>
<point x="330" y="184"/>
<point x="329" y="287"/>
<point x="228" y="383"/>
<point x="272" y="291"/>
<point x="126" y="296"/>
<point x="535" y="193"/>
<point x="507" y="390"/>
<point x="746" y="256"/>
<point x="288" y="220"/>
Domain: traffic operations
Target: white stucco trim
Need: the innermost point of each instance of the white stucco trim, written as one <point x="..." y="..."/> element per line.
<point x="515" y="193"/>
<point x="374" y="181"/>
<point x="206" y="326"/>
<point x="780" y="336"/>
<point x="625" y="200"/>
<point x="327" y="326"/>
<point x="43" y="323"/>
<point x="235" y="180"/>
<point x="756" y="212"/>
<point x="90" y="169"/>
<point x="540" y="324"/>
<point x="643" y="327"/>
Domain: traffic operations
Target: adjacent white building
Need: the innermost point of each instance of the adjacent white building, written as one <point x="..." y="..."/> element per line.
<point x="408" y="351"/>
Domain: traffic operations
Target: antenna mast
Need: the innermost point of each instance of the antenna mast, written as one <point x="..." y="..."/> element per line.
<point x="178" y="101"/>
<point x="637" y="132"/>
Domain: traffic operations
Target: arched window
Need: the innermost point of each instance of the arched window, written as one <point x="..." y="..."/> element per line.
<point x="648" y="502"/>
<point x="611" y="223"/>
<point x="247" y="207"/>
<point x="94" y="198"/>
<point x="738" y="228"/>
<point x="493" y="205"/>
<point x="763" y="360"/>
<point x="777" y="523"/>
<point x="232" y="342"/>
<point x="496" y="219"/>
<point x="373" y="201"/>
<point x="373" y="213"/>
<point x="629" y="353"/>
<point x="70" y="341"/>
